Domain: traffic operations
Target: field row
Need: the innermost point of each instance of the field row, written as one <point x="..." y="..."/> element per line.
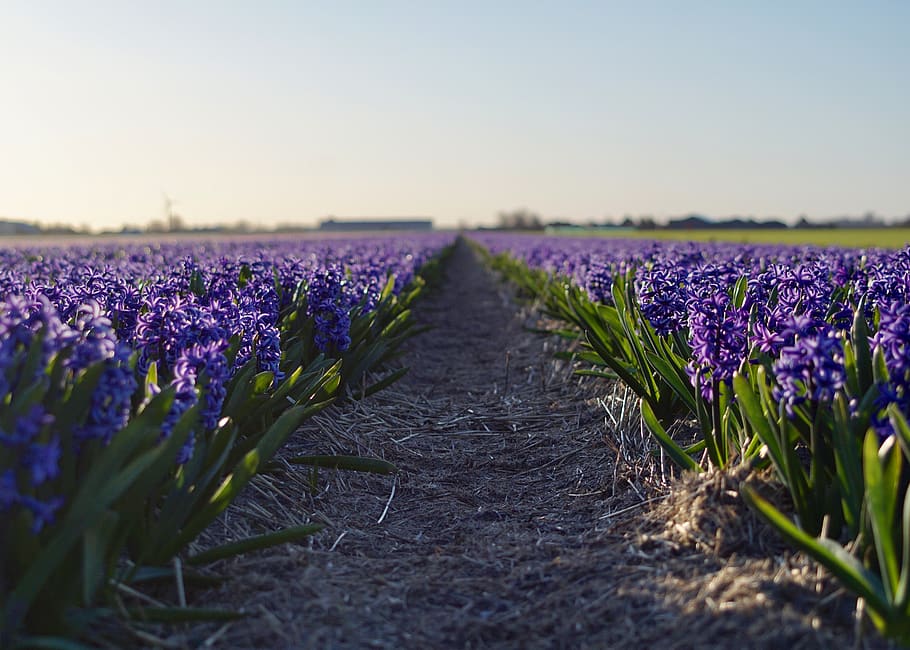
<point x="141" y="388"/>
<point x="792" y="359"/>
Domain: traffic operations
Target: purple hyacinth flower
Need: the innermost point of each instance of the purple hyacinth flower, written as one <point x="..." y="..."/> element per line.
<point x="43" y="461"/>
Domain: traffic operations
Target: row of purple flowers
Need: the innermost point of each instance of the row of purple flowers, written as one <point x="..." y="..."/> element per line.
<point x="791" y="358"/>
<point x="796" y="305"/>
<point x="174" y="309"/>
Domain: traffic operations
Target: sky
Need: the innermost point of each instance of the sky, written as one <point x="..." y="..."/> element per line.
<point x="287" y="112"/>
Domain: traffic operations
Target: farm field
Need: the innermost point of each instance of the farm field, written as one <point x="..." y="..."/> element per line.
<point x="848" y="237"/>
<point x="508" y="499"/>
<point x="525" y="513"/>
<point x="143" y="386"/>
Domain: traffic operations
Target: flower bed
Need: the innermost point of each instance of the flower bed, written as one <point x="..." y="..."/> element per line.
<point x="796" y="358"/>
<point x="141" y="388"/>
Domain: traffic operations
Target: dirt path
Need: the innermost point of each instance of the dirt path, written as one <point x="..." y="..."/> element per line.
<point x="511" y="523"/>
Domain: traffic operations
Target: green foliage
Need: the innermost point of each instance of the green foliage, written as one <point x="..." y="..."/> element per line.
<point x="131" y="510"/>
<point x="355" y="463"/>
<point x="618" y="341"/>
<point x="849" y="489"/>
<point x="875" y="565"/>
<point x="68" y="563"/>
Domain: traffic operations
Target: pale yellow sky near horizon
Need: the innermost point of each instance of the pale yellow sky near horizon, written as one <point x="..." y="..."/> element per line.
<point x="290" y="112"/>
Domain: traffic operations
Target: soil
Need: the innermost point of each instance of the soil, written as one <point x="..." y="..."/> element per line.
<point x="529" y="511"/>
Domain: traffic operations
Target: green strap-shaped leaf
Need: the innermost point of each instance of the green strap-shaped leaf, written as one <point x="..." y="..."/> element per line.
<point x="110" y="476"/>
<point x="857" y="578"/>
<point x="182" y="614"/>
<point x="353" y="463"/>
<point x="899" y="422"/>
<point x="256" y="543"/>
<point x="383" y="383"/>
<point x="882" y="475"/>
<point x="620" y="368"/>
<point x="226" y="493"/>
<point x="242" y="473"/>
<point x="676" y="453"/>
<point x="95" y="552"/>
<point x="903" y="587"/>
<point x="673" y="375"/>
<point x="848" y="461"/>
<point x="166" y="574"/>
<point x="861" y="349"/>
<point x="50" y="643"/>
<point x="602" y="374"/>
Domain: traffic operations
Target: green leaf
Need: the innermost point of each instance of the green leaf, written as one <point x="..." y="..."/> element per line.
<point x="396" y="324"/>
<point x="620" y="368"/>
<point x="240" y="389"/>
<point x="879" y="367"/>
<point x="151" y="377"/>
<point x="106" y="480"/>
<point x="383" y="383"/>
<point x="602" y="374"/>
<point x="849" y="570"/>
<point x="166" y="574"/>
<point x="847" y="447"/>
<point x="182" y="614"/>
<point x="95" y="552"/>
<point x="673" y="375"/>
<point x="80" y="400"/>
<point x="197" y="283"/>
<point x="388" y="288"/>
<point x="256" y="543"/>
<point x="242" y="473"/>
<point x="882" y="476"/>
<point x="899" y="422"/>
<point x="695" y="448"/>
<point x="740" y="291"/>
<point x="245" y="275"/>
<point x="262" y="382"/>
<point x="861" y="350"/>
<point x="902" y="597"/>
<point x="676" y="453"/>
<point x="226" y="493"/>
<point x="50" y="643"/>
<point x="353" y="463"/>
<point x="751" y="408"/>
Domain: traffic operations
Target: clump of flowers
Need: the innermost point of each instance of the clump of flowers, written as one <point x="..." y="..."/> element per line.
<point x="892" y="340"/>
<point x="23" y="485"/>
<point x="599" y="282"/>
<point x="718" y="337"/>
<point x="810" y="369"/>
<point x="329" y="307"/>
<point x="662" y="290"/>
<point x="32" y="449"/>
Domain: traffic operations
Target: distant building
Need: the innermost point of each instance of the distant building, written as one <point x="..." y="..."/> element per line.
<point x="367" y="223"/>
<point x="18" y="228"/>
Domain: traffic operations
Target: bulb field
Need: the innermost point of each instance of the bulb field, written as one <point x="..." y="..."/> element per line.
<point x="142" y="387"/>
<point x="529" y="398"/>
<point x="790" y="358"/>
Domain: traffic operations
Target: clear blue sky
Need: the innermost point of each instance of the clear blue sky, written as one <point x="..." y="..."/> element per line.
<point x="284" y="111"/>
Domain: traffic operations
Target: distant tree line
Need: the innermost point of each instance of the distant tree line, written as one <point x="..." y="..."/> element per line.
<point x="527" y="220"/>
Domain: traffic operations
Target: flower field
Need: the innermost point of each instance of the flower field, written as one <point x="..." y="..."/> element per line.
<point x="795" y="359"/>
<point x="145" y="387"/>
<point x="142" y="387"/>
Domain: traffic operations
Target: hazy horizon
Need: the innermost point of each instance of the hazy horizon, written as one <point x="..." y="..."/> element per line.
<point x="288" y="113"/>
